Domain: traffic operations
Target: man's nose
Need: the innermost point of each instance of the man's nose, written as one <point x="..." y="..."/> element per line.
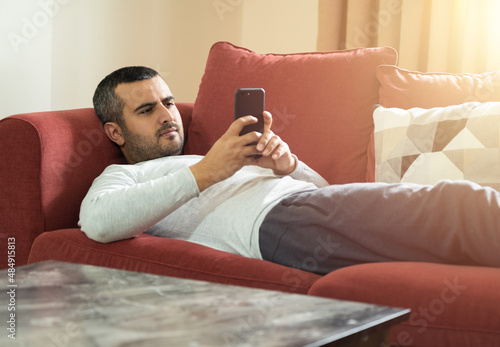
<point x="165" y="115"/>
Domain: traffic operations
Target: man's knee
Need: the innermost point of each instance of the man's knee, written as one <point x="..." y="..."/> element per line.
<point x="466" y="192"/>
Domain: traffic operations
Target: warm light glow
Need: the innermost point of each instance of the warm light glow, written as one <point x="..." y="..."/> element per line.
<point x="457" y="36"/>
<point x="493" y="59"/>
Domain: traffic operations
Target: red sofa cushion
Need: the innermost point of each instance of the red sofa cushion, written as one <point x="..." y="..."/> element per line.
<point x="328" y="96"/>
<point x="451" y="305"/>
<point x="169" y="257"/>
<point x="406" y="89"/>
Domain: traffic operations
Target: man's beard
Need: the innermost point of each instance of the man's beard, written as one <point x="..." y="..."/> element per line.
<point x="141" y="148"/>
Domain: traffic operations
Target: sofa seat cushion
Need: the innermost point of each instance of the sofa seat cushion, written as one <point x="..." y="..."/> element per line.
<point x="321" y="103"/>
<point x="169" y="257"/>
<point x="451" y="305"/>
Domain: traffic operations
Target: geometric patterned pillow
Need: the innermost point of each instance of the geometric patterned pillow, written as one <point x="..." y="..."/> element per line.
<point x="427" y="145"/>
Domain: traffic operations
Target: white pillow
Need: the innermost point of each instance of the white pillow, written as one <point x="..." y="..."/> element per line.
<point x="428" y="145"/>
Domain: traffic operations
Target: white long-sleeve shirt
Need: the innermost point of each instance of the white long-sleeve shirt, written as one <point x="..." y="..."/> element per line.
<point x="161" y="197"/>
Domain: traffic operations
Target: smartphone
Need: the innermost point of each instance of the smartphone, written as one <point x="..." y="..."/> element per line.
<point x="250" y="102"/>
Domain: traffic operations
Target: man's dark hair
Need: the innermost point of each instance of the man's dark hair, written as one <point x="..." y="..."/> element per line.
<point x="108" y="105"/>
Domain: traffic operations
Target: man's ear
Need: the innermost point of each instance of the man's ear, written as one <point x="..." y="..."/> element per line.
<point x="114" y="133"/>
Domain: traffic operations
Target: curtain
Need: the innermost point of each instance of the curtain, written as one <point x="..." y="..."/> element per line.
<point x="430" y="35"/>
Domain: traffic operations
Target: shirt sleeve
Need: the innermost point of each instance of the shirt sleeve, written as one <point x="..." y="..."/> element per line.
<point x="305" y="173"/>
<point x="118" y="206"/>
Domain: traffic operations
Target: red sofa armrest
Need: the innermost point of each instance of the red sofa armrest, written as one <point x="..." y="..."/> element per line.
<point x="48" y="162"/>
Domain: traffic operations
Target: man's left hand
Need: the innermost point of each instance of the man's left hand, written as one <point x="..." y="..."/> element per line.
<point x="275" y="152"/>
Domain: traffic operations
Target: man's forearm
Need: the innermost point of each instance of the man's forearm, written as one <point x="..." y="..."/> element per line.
<point x="204" y="178"/>
<point x="112" y="212"/>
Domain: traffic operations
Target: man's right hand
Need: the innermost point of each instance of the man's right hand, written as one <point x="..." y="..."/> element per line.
<point x="228" y="155"/>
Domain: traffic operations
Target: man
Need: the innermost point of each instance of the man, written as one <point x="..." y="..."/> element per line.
<point x="275" y="207"/>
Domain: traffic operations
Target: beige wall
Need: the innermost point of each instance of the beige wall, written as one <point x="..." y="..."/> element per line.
<point x="25" y="57"/>
<point x="54" y="52"/>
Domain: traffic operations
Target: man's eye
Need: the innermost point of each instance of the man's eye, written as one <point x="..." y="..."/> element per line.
<point x="169" y="104"/>
<point x="146" y="110"/>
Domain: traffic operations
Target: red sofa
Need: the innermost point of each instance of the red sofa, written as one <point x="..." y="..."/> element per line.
<point x="322" y="105"/>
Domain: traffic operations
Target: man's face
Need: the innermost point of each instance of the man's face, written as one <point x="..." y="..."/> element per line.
<point x="153" y="125"/>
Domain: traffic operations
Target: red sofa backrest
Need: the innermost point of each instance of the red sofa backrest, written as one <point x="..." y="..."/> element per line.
<point x="321" y="103"/>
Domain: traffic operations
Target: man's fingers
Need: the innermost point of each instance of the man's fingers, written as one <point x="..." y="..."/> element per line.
<point x="278" y="151"/>
<point x="251" y="137"/>
<point x="239" y="124"/>
<point x="268" y="143"/>
<point x="268" y="121"/>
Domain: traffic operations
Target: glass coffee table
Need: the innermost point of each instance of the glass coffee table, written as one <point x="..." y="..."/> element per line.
<point x="63" y="304"/>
